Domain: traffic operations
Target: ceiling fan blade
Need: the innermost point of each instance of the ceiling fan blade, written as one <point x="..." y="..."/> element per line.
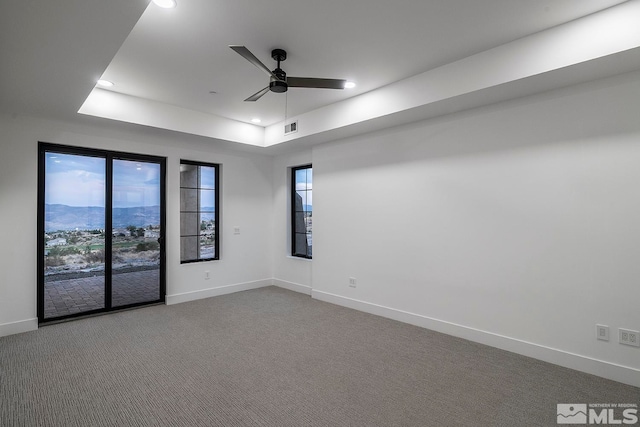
<point x="258" y="94"/>
<point x="246" y="54"/>
<point x="311" y="82"/>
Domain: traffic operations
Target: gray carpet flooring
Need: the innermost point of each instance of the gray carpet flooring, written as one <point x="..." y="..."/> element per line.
<point x="271" y="357"/>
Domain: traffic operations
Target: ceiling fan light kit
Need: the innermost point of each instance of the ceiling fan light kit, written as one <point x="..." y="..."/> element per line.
<point x="279" y="82"/>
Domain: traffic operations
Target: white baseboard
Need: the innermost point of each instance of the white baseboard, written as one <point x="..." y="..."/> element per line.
<point x="18" y="327"/>
<point x="214" y="292"/>
<point x="612" y="371"/>
<point x="296" y="287"/>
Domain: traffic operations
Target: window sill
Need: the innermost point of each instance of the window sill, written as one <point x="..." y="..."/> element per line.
<point x="300" y="258"/>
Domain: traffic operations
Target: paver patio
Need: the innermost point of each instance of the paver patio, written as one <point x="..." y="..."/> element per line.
<point x="70" y="296"/>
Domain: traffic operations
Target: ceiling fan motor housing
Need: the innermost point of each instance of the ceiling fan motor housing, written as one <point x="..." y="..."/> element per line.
<point x="279" y="86"/>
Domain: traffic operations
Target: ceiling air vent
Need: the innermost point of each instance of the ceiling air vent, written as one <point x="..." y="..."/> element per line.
<point x="291" y="128"/>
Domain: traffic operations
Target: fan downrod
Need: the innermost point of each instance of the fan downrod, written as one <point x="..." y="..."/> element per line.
<point x="279" y="86"/>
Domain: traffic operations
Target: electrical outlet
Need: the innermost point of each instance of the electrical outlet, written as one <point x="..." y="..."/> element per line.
<point x="207" y="275"/>
<point x="629" y="337"/>
<point x="352" y="282"/>
<point x="236" y="230"/>
<point x="602" y="332"/>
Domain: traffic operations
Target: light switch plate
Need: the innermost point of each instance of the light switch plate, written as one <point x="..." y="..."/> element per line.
<point x="602" y="332"/>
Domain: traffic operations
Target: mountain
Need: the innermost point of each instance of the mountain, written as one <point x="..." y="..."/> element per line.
<point x="63" y="217"/>
<point x="140" y="216"/>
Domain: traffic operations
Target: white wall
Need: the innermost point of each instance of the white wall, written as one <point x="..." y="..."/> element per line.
<point x="289" y="272"/>
<point x="246" y="258"/>
<point x="516" y="224"/>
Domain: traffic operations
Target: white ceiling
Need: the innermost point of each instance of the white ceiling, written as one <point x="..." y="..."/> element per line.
<point x="53" y="52"/>
<point x="178" y="56"/>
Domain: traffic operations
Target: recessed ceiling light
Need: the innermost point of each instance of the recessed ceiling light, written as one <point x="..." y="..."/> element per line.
<point x="256" y="120"/>
<point x="105" y="83"/>
<point x="167" y="4"/>
<point x="349" y="85"/>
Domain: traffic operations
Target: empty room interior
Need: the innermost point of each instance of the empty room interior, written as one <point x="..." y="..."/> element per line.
<point x="416" y="212"/>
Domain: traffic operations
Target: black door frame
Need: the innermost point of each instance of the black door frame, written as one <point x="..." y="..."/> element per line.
<point x="109" y="156"/>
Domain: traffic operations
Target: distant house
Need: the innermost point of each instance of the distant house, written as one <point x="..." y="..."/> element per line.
<point x="57" y="242"/>
<point x="121" y="232"/>
<point x="151" y="234"/>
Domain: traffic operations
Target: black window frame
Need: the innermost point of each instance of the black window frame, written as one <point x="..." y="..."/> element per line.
<point x="109" y="156"/>
<point x="216" y="167"/>
<point x="294" y="214"/>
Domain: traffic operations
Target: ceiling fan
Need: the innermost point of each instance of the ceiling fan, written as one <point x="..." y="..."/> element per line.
<point x="279" y="82"/>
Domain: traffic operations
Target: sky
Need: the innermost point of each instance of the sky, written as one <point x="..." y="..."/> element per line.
<point x="304" y="180"/>
<point x="207" y="177"/>
<point x="75" y="180"/>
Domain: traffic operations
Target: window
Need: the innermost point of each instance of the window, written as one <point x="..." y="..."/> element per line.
<point x="101" y="221"/>
<point x="199" y="217"/>
<point x="301" y="211"/>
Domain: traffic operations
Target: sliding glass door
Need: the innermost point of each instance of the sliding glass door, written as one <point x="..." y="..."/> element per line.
<point x="74" y="233"/>
<point x="100" y="227"/>
<point x="136" y="231"/>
